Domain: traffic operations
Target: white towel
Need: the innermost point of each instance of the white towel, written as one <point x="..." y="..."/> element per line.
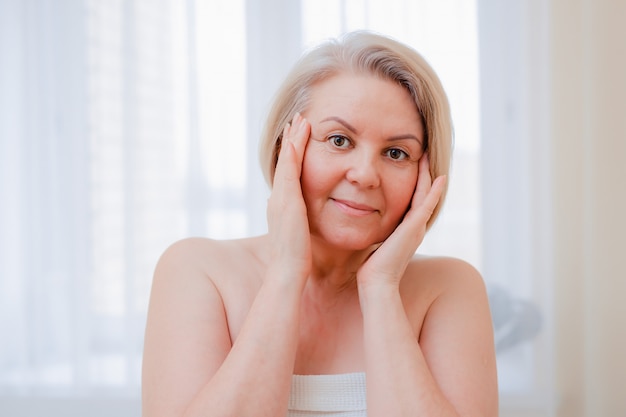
<point x="328" y="395"/>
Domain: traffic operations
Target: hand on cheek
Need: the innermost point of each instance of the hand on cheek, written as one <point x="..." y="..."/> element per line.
<point x="286" y="211"/>
<point x="388" y="263"/>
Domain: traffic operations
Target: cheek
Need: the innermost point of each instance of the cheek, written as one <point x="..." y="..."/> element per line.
<point x="313" y="177"/>
<point x="401" y="193"/>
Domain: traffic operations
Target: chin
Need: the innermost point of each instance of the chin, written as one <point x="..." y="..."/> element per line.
<point x="349" y="241"/>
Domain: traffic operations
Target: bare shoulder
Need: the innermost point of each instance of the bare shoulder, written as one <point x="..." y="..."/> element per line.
<point x="197" y="251"/>
<point x="218" y="260"/>
<point x="447" y="303"/>
<point x="430" y="278"/>
<point x="443" y="268"/>
<point x="226" y="273"/>
<point x="197" y="300"/>
<point x="445" y="298"/>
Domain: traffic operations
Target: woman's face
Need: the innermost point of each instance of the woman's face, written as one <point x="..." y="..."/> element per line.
<point x="360" y="167"/>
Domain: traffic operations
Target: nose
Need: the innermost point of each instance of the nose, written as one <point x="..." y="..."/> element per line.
<point x="363" y="169"/>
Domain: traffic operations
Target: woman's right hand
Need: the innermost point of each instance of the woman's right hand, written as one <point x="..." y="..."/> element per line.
<point x="287" y="219"/>
<point x="192" y="364"/>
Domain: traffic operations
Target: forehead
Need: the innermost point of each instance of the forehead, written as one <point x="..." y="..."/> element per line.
<point x="362" y="96"/>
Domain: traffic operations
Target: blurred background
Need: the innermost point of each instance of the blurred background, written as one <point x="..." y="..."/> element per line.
<point x="128" y="124"/>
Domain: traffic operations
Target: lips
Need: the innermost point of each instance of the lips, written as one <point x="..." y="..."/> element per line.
<point x="353" y="208"/>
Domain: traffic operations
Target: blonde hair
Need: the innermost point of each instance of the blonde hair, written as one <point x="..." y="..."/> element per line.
<point x="364" y="52"/>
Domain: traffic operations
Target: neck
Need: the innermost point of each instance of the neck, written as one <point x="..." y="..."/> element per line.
<point x="334" y="268"/>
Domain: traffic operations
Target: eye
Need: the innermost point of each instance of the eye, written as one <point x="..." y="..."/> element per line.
<point x="339" y="141"/>
<point x="396" y="154"/>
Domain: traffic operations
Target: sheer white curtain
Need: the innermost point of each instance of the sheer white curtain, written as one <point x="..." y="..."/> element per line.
<point x="89" y="181"/>
<point x="124" y="126"/>
<point x="128" y="124"/>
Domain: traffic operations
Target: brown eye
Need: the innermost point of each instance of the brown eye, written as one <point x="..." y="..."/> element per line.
<point x="396" y="154"/>
<point x="339" y="141"/>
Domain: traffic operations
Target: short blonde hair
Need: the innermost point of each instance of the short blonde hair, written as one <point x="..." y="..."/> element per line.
<point x="364" y="52"/>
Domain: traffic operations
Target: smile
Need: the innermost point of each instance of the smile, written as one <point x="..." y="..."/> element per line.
<point x="353" y="209"/>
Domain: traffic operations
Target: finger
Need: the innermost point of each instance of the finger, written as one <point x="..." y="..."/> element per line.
<point x="286" y="166"/>
<point x="424" y="181"/>
<point x="299" y="135"/>
<point x="409" y="234"/>
<point x="295" y="136"/>
<point x="426" y="208"/>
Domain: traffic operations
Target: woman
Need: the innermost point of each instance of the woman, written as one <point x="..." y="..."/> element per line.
<point x="331" y="311"/>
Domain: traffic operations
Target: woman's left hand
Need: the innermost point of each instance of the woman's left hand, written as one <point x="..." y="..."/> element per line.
<point x="387" y="264"/>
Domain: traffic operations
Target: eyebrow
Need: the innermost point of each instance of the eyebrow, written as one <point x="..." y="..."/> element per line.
<point x="341" y="121"/>
<point x="407" y="136"/>
<point x="355" y="131"/>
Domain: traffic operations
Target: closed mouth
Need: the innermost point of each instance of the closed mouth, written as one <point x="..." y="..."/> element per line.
<point x="354" y="208"/>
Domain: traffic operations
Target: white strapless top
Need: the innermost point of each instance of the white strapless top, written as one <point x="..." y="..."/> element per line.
<point x="340" y="395"/>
